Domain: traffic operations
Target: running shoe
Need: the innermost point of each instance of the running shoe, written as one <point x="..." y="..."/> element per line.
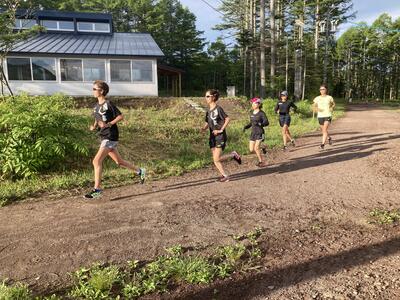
<point x="293" y="143"/>
<point x="284" y="148"/>
<point x="321" y="147"/>
<point x="237" y="157"/>
<point x="261" y="164"/>
<point x="223" y="179"/>
<point x="264" y="150"/>
<point x="329" y="140"/>
<point x="142" y="174"/>
<point x="95" y="193"/>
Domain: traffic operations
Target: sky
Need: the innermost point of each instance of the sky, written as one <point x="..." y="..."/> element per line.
<point x="366" y="10"/>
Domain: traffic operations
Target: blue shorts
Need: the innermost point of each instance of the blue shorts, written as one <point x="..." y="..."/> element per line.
<point x="284" y="120"/>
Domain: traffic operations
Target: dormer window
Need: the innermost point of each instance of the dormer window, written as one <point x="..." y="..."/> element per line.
<point x="93" y="27"/>
<point x="24" y="23"/>
<point x="58" y="25"/>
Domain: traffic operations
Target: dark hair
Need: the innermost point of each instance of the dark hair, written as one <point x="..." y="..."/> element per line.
<point x="102" y="85"/>
<point x="325" y="86"/>
<point x="214" y="93"/>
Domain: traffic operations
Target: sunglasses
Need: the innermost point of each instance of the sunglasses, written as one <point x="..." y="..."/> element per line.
<point x="94" y="89"/>
<point x="322" y="89"/>
<point x="209" y="96"/>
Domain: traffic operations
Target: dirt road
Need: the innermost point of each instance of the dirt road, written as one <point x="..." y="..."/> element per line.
<point x="314" y="206"/>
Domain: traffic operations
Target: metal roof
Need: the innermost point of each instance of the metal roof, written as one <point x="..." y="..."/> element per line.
<point x="117" y="44"/>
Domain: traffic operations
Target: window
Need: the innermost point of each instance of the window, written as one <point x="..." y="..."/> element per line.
<point x="120" y="70"/>
<point x="52" y="25"/>
<point x="71" y="69"/>
<point x="94" y="69"/>
<point x="44" y="69"/>
<point x="58" y="25"/>
<point x="19" y="69"/>
<point x="66" y="25"/>
<point x="142" y="70"/>
<point x="24" y="23"/>
<point x="93" y="27"/>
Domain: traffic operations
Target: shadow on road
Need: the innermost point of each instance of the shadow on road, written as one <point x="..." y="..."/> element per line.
<point x="257" y="284"/>
<point x="356" y="150"/>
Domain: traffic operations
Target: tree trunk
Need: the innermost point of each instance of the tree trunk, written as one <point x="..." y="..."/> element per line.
<point x="273" y="44"/>
<point x="316" y="34"/>
<point x="262" y="48"/>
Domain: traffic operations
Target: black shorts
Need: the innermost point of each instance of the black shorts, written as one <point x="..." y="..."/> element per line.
<point x="284" y="120"/>
<point x="321" y="121"/>
<point x="256" y="136"/>
<point x="218" y="141"/>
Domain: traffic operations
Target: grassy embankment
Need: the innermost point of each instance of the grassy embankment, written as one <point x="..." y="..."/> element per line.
<point x="166" y="140"/>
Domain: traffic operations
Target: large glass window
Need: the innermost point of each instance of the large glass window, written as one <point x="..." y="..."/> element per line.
<point x="120" y="70"/>
<point x="142" y="70"/>
<point x="24" y="23"/>
<point x="66" y="25"/>
<point x="93" y="27"/>
<point x="71" y="69"/>
<point x="52" y="25"/>
<point x="58" y="25"/>
<point x="94" y="69"/>
<point x="19" y="69"/>
<point x="43" y="69"/>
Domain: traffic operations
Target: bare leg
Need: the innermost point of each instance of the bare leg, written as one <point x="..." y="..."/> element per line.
<point x="98" y="165"/>
<point x="325" y="132"/>
<point x="284" y="135"/>
<point x="288" y="132"/>
<point x="251" y="146"/>
<point x="257" y="149"/>
<point x="114" y="154"/>
<point x="216" y="153"/>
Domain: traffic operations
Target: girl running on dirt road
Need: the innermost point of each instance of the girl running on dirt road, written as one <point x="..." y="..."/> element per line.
<point x="324" y="105"/>
<point x="107" y="115"/>
<point x="258" y="120"/>
<point x="217" y="120"/>
<point x="283" y="108"/>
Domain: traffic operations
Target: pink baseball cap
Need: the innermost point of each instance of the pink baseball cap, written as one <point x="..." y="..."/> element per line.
<point x="255" y="100"/>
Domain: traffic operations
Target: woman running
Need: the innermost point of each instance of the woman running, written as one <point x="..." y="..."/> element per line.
<point x="324" y="105"/>
<point x="217" y="120"/>
<point x="283" y="108"/>
<point x="107" y="115"/>
<point x="258" y="120"/>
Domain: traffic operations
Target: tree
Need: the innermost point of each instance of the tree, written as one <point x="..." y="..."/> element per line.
<point x="9" y="37"/>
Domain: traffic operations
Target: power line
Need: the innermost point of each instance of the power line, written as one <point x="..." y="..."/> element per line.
<point x="208" y="4"/>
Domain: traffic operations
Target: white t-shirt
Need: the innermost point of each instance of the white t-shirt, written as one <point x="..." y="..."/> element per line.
<point x="324" y="104"/>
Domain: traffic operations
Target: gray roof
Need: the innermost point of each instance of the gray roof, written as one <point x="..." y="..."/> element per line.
<point x="117" y="44"/>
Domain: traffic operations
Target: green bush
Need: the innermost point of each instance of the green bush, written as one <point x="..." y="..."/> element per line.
<point x="39" y="133"/>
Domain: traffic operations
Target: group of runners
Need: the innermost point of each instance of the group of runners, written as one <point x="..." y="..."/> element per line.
<point x="107" y="115"/>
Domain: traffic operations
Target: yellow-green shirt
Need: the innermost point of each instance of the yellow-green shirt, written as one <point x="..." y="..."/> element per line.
<point x="324" y="104"/>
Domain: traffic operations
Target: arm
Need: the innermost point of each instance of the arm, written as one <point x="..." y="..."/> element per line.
<point x="247" y="126"/>
<point x="264" y="120"/>
<point x="94" y="126"/>
<point x="332" y="105"/>
<point x="294" y="107"/>
<point x="226" y="122"/>
<point x="276" y="107"/>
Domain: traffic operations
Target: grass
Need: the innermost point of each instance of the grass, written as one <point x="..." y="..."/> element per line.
<point x="136" y="279"/>
<point x="384" y="217"/>
<point x="166" y="140"/>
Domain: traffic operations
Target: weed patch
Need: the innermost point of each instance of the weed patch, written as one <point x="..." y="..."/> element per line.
<point x="380" y="216"/>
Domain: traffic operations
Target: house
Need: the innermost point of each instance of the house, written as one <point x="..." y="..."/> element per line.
<point x="78" y="48"/>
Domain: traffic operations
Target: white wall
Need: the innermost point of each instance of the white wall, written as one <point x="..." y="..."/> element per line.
<point x="38" y="87"/>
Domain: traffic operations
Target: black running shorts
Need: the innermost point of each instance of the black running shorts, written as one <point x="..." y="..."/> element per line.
<point x="321" y="121"/>
<point x="284" y="120"/>
<point x="257" y="137"/>
<point x="218" y="141"/>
